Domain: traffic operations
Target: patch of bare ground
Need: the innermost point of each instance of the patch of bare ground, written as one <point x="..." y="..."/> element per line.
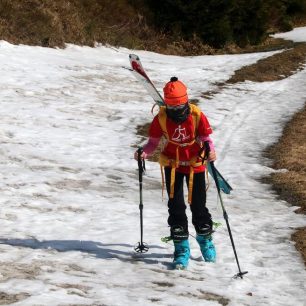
<point x="19" y="271"/>
<point x="290" y="153"/>
<point x="208" y="296"/>
<point x="276" y="67"/>
<point x="272" y="68"/>
<point x="269" y="44"/>
<point x="7" y="299"/>
<point x="214" y="297"/>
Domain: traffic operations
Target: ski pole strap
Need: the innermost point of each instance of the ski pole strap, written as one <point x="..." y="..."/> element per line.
<point x="202" y="154"/>
<point x="204" y="151"/>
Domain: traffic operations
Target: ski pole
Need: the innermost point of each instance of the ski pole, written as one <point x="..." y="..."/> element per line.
<point x="225" y="215"/>
<point x="141" y="247"/>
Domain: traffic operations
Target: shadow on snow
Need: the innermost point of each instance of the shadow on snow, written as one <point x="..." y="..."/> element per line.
<point x="100" y="250"/>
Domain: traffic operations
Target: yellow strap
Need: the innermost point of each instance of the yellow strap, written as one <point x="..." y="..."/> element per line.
<point x="190" y="187"/>
<point x="193" y="164"/>
<point x="164" y="161"/>
<point x="172" y="182"/>
<point x="162" y="118"/>
<point x="196" y="115"/>
<point x="177" y="159"/>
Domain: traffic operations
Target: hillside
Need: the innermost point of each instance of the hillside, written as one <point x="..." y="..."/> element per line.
<point x="143" y="24"/>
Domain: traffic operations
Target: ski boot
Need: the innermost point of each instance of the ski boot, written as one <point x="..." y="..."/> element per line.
<point x="204" y="239"/>
<point x="181" y="254"/>
<point x="181" y="247"/>
<point x="207" y="247"/>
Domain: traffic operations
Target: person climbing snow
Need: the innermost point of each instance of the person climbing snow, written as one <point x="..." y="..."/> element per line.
<point x="186" y="129"/>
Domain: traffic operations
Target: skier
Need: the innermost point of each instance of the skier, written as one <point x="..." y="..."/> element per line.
<point x="186" y="129"/>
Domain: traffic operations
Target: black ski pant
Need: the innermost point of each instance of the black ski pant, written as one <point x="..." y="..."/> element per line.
<point x="201" y="218"/>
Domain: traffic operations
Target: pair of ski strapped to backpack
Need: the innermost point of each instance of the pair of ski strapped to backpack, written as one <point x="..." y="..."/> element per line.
<point x="140" y="74"/>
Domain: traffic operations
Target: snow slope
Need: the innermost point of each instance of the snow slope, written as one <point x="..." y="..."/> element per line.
<point x="69" y="186"/>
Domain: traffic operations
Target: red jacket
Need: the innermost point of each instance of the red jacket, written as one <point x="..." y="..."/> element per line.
<point x="183" y="134"/>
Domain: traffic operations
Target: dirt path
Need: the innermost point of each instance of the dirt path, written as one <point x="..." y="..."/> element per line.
<point x="290" y="153"/>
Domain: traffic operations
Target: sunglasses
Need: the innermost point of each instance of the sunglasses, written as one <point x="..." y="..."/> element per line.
<point x="176" y="107"/>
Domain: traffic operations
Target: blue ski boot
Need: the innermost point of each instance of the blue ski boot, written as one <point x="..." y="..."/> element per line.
<point x="179" y="234"/>
<point x="181" y="254"/>
<point x="207" y="247"/>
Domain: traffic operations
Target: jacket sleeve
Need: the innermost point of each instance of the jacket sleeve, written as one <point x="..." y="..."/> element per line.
<point x="204" y="130"/>
<point x="155" y="134"/>
<point x="207" y="138"/>
<point x="151" y="145"/>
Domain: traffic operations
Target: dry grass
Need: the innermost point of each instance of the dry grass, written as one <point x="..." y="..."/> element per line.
<point x="276" y="67"/>
<point x="52" y="23"/>
<point x="290" y="153"/>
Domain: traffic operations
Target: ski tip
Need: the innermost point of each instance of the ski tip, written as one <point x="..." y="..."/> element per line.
<point x="133" y="56"/>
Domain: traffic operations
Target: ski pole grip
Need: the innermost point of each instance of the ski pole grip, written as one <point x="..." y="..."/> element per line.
<point x="140" y="163"/>
<point x="207" y="149"/>
<point x="213" y="169"/>
<point x="139" y="152"/>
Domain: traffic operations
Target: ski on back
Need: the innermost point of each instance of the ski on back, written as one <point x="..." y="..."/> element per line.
<point x="140" y="74"/>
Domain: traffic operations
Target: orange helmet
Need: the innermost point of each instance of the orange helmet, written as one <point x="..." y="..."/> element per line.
<point x="175" y="92"/>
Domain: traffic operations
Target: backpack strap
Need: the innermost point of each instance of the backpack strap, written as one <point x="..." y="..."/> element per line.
<point x="162" y="118"/>
<point x="196" y="116"/>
